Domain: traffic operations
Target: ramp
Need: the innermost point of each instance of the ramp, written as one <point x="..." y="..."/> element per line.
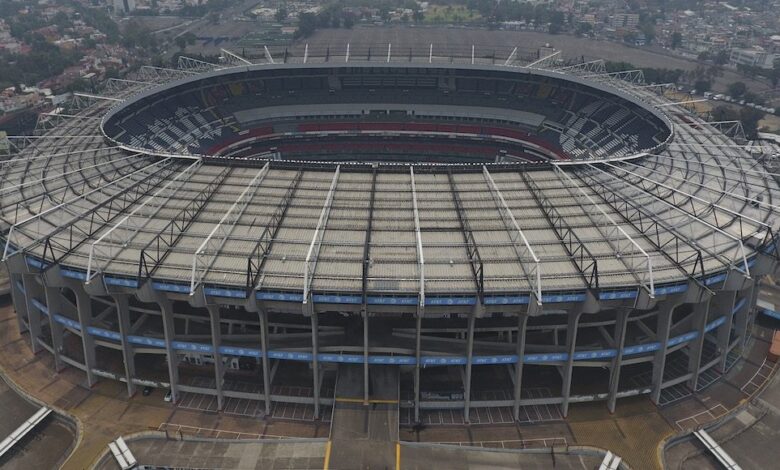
<point x="364" y="435"/>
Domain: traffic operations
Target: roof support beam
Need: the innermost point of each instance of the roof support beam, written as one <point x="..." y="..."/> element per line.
<point x="509" y="59"/>
<point x="477" y="268"/>
<point x="313" y="254"/>
<point x="714" y="208"/>
<point x="578" y="253"/>
<point x="259" y="254"/>
<point x="621" y="241"/>
<point x="207" y="252"/>
<point x="268" y="55"/>
<point x="92" y="96"/>
<point x="418" y="235"/>
<point x="112" y="242"/>
<point x="593" y="66"/>
<point x="158" y="248"/>
<point x="231" y="57"/>
<point x="156" y="170"/>
<point x="676" y="206"/>
<point x="367" y="240"/>
<point x="529" y="262"/>
<point x="59" y="175"/>
<point x="544" y="60"/>
<point x="724" y="191"/>
<point x="665" y="238"/>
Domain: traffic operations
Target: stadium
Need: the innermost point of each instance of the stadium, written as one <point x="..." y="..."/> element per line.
<point x="477" y="234"/>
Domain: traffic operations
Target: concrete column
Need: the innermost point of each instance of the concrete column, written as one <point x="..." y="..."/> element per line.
<point x="216" y="342"/>
<point x="469" y="361"/>
<point x="169" y="331"/>
<point x="522" y="323"/>
<point x="128" y="355"/>
<point x="54" y="304"/>
<point x="659" y="360"/>
<point x="84" y="311"/>
<point x="263" y="314"/>
<point x="621" y="325"/>
<point x="20" y="304"/>
<point x="722" y="304"/>
<point x="365" y="359"/>
<point x="743" y="315"/>
<point x="417" y="365"/>
<point x="315" y="363"/>
<point x="695" y="347"/>
<point x="32" y="290"/>
<point x="571" y="347"/>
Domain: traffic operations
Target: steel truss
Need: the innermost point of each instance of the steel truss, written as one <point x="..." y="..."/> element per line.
<point x="160" y="246"/>
<point x="649" y="187"/>
<point x="529" y="262"/>
<point x="233" y="59"/>
<point x="259" y="254"/>
<point x="51" y="194"/>
<point x="662" y="236"/>
<point x="313" y="253"/>
<point x="188" y="64"/>
<point x="207" y="252"/>
<point x="115" y="204"/>
<point x="578" y="252"/>
<point x="636" y="77"/>
<point x="162" y="75"/>
<point x="710" y="207"/>
<point x="58" y="176"/>
<point x="118" y="237"/>
<point x="545" y="61"/>
<point x="123" y="86"/>
<point x="593" y="67"/>
<point x="731" y="129"/>
<point x="477" y="267"/>
<point x="620" y="241"/>
<point x="723" y="181"/>
<point x="418" y="235"/>
<point x="367" y="240"/>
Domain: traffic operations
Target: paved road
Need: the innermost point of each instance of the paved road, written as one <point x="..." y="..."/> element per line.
<point x="44" y="447"/>
<point x="299" y="454"/>
<point x="365" y="436"/>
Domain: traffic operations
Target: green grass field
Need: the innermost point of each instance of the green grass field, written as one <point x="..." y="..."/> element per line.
<point x="450" y="14"/>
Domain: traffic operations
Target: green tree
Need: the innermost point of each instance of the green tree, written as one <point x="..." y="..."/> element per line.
<point x="737" y="89"/>
<point x="281" y="14"/>
<point x="702" y="85"/>
<point x="721" y="58"/>
<point x="676" y="39"/>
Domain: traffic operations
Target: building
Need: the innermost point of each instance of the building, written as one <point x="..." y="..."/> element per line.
<point x="124" y="6"/>
<point x="481" y="231"/>
<point x="753" y="57"/>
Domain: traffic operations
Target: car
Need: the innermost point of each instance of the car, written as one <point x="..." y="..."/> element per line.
<point x="147" y="391"/>
<point x="168" y="397"/>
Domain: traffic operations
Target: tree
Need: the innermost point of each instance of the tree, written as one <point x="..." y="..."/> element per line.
<point x="721" y="58"/>
<point x="676" y="40"/>
<point x="181" y="42"/>
<point x="702" y="85"/>
<point x="281" y="14"/>
<point x="749" y="118"/>
<point x="307" y="24"/>
<point x="737" y="89"/>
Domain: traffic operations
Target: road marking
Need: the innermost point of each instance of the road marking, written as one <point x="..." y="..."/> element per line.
<point x="397" y="456"/>
<point x="327" y="456"/>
